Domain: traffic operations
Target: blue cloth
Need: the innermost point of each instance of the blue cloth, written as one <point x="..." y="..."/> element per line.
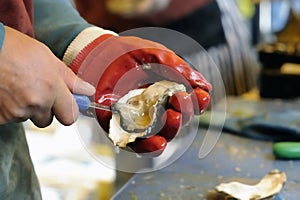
<point x="2" y="34"/>
<point x="56" y="24"/>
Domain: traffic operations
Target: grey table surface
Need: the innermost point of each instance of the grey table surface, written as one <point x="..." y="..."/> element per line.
<point x="233" y="158"/>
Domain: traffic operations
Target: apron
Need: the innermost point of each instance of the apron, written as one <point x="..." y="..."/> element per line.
<point x="17" y="176"/>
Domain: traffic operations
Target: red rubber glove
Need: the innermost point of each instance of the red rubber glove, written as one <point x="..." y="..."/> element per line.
<point x="118" y="64"/>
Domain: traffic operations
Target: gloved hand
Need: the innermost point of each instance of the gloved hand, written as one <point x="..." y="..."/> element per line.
<point x="118" y="64"/>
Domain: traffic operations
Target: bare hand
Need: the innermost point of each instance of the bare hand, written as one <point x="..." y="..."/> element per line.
<point x="36" y="85"/>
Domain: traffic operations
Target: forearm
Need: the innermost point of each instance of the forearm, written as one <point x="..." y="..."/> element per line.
<point x="56" y="24"/>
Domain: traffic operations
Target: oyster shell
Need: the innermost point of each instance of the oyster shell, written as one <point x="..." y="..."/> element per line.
<point x="135" y="114"/>
<point x="269" y="185"/>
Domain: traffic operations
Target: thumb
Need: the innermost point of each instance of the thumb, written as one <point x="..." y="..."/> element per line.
<point x="75" y="84"/>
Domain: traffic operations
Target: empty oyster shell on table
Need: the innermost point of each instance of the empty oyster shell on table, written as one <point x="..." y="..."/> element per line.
<point x="270" y="185"/>
<point x="136" y="114"/>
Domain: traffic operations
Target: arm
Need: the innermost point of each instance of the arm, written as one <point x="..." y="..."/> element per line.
<point x="34" y="83"/>
<point x="56" y="24"/>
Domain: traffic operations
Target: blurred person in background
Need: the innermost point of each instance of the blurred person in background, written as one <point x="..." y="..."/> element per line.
<point x="217" y="25"/>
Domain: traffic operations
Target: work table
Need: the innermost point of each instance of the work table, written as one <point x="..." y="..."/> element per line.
<point x="233" y="158"/>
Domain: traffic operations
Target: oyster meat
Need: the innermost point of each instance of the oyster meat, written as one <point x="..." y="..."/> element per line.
<point x="269" y="185"/>
<point x="136" y="114"/>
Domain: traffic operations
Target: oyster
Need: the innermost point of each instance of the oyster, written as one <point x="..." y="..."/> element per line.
<point x="135" y="114"/>
<point x="270" y="185"/>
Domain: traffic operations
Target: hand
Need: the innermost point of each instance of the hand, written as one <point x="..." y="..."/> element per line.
<point x="35" y="84"/>
<point x="119" y="64"/>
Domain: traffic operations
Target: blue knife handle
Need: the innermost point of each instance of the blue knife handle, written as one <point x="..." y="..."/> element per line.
<point x="82" y="101"/>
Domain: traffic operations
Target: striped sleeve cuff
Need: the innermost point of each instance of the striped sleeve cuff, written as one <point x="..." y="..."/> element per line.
<point x="84" y="38"/>
<point x="2" y="34"/>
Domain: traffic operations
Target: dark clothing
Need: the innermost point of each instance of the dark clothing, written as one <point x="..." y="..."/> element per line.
<point x="212" y="33"/>
<point x="17" y="176"/>
<point x="17" y="14"/>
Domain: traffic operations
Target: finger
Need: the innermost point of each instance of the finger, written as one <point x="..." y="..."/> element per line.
<point x="149" y="147"/>
<point x="172" y="124"/>
<point x="11" y="110"/>
<point x="65" y="108"/>
<point x="4" y="117"/>
<point x="42" y="118"/>
<point x="202" y="98"/>
<point x="75" y="84"/>
<point x="182" y="102"/>
<point x="83" y="87"/>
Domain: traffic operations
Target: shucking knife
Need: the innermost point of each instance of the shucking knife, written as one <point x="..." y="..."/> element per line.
<point x="84" y="104"/>
<point x="87" y="107"/>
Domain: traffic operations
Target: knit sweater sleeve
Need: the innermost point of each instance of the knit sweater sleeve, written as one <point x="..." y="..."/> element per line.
<point x="57" y="23"/>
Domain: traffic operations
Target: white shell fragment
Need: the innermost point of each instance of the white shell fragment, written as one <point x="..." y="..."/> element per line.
<point x="269" y="185"/>
<point x="135" y="114"/>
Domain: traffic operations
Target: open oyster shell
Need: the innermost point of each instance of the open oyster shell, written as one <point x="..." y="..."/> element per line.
<point x="135" y="114"/>
<point x="269" y="185"/>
